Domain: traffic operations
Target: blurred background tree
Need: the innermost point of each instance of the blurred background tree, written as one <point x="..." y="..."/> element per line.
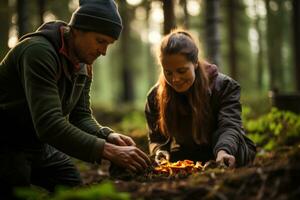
<point x="254" y="41"/>
<point x="4" y="28"/>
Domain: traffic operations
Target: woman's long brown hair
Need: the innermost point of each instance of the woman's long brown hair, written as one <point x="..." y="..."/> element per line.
<point x="171" y="104"/>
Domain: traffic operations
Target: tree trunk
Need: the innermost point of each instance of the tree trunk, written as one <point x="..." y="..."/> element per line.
<point x="4" y="28"/>
<point x="151" y="69"/>
<point x="212" y="31"/>
<point x="169" y="16"/>
<point x="41" y="7"/>
<point x="23" y="17"/>
<point x="232" y="38"/>
<point x="296" y="41"/>
<point x="274" y="45"/>
<point x="260" y="53"/>
<point x="128" y="91"/>
<point x="186" y="19"/>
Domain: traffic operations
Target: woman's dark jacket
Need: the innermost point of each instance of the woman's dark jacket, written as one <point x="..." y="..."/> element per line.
<point x="226" y="125"/>
<point x="44" y="100"/>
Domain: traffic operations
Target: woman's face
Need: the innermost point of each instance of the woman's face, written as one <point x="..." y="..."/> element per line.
<point x="178" y="72"/>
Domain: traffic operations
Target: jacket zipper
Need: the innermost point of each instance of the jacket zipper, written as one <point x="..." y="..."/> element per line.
<point x="73" y="89"/>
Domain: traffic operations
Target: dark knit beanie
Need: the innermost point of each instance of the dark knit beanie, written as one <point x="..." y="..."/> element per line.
<point x="100" y="16"/>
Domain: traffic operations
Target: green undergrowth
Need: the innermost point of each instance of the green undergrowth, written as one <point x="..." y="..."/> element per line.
<point x="105" y="190"/>
<point x="274" y="129"/>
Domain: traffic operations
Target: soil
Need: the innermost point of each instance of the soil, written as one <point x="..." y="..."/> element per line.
<point x="274" y="175"/>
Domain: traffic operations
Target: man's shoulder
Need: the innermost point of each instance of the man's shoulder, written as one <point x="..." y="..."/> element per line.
<point x="36" y="48"/>
<point x="36" y="44"/>
<point x="36" y="40"/>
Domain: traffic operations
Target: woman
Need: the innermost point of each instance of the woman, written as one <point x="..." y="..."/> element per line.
<point x="194" y="112"/>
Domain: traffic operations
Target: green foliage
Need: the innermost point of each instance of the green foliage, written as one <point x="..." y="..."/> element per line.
<point x="273" y="129"/>
<point x="104" y="190"/>
<point x="255" y="103"/>
<point x="132" y="121"/>
<point x="33" y="193"/>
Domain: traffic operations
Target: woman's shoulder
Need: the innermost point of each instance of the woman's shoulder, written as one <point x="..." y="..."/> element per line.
<point x="223" y="81"/>
<point x="152" y="91"/>
<point x="151" y="101"/>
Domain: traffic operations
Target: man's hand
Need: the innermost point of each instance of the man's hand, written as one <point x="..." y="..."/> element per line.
<point x="129" y="157"/>
<point x="224" y="158"/>
<point x="120" y="140"/>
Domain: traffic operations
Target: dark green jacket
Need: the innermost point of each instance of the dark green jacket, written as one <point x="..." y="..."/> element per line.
<point x="44" y="100"/>
<point x="226" y="126"/>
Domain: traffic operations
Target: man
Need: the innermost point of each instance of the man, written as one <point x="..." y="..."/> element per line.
<point x="45" y="107"/>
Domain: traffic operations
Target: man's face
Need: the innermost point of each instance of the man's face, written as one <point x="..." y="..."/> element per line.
<point x="88" y="46"/>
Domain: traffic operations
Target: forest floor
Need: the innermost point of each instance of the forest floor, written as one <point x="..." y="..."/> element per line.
<point x="274" y="175"/>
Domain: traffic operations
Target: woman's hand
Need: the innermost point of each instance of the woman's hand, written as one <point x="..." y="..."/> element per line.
<point x="161" y="154"/>
<point x="120" y="140"/>
<point x="224" y="158"/>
